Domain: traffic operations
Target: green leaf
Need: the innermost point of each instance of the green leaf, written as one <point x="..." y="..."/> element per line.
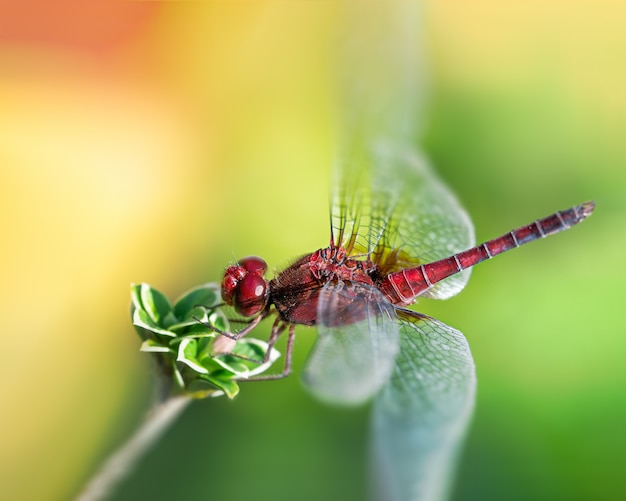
<point x="178" y="377"/>
<point x="135" y="296"/>
<point x="142" y="320"/>
<point x="251" y="348"/>
<point x="230" y="387"/>
<point x="207" y="295"/>
<point x="155" y="304"/>
<point x="253" y="351"/>
<point x="204" y="346"/>
<point x="191" y="327"/>
<point x="152" y="346"/>
<point x="218" y="320"/>
<point x="187" y="352"/>
<point x="169" y="320"/>
<point x="211" y="387"/>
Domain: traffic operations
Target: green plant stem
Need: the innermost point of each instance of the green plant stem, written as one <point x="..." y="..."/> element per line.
<point x="121" y="463"/>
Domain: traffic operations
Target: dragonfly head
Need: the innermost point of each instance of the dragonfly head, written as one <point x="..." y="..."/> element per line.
<point x="244" y="287"/>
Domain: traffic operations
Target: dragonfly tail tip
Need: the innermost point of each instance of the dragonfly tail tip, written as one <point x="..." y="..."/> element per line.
<point x="586" y="209"/>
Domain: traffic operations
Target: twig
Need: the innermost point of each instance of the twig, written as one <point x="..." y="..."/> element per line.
<point x="121" y="463"/>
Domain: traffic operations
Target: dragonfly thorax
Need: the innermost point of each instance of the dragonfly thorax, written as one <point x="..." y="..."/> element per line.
<point x="244" y="287"/>
<point x="295" y="291"/>
<point x="333" y="263"/>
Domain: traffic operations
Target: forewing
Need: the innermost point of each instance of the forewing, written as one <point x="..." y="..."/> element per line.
<point x="387" y="202"/>
<point x="420" y="416"/>
<point x="357" y="342"/>
<point x="391" y="206"/>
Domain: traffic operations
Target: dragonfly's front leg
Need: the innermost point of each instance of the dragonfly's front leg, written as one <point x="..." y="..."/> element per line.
<point x="226" y="341"/>
<point x="236" y="336"/>
<point x="277" y="329"/>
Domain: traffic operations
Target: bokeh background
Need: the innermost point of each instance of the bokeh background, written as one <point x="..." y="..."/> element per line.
<point x="158" y="141"/>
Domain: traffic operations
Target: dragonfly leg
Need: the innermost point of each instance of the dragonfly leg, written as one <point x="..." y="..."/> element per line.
<point x="288" y="353"/>
<point x="235" y="337"/>
<point x="209" y="308"/>
<point x="277" y="329"/>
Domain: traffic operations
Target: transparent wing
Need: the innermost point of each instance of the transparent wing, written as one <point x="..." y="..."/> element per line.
<point x="356" y="346"/>
<point x="420" y="416"/>
<point x="389" y="205"/>
<point x="387" y="202"/>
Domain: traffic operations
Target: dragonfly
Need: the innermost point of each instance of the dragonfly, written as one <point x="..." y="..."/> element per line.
<point x="394" y="239"/>
<point x="397" y="234"/>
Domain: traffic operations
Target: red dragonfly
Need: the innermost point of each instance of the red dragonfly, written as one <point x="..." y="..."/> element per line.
<point x="394" y="238"/>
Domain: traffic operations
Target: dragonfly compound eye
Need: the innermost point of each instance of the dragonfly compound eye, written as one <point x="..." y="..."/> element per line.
<point x="250" y="295"/>
<point x="244" y="287"/>
<point x="232" y="277"/>
<point x="254" y="264"/>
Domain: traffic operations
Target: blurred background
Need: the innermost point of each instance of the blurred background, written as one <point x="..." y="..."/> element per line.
<point x="159" y="141"/>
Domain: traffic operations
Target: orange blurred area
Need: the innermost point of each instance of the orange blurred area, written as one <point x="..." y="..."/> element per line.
<point x="159" y="141"/>
<point x="92" y="26"/>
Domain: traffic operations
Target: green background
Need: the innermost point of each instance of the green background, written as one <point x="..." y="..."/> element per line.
<point x="159" y="142"/>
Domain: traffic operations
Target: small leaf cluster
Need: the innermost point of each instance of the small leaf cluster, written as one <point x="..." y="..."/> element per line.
<point x="183" y="337"/>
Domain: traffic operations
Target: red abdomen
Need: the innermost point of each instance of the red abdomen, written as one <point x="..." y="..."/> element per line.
<point x="404" y="286"/>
